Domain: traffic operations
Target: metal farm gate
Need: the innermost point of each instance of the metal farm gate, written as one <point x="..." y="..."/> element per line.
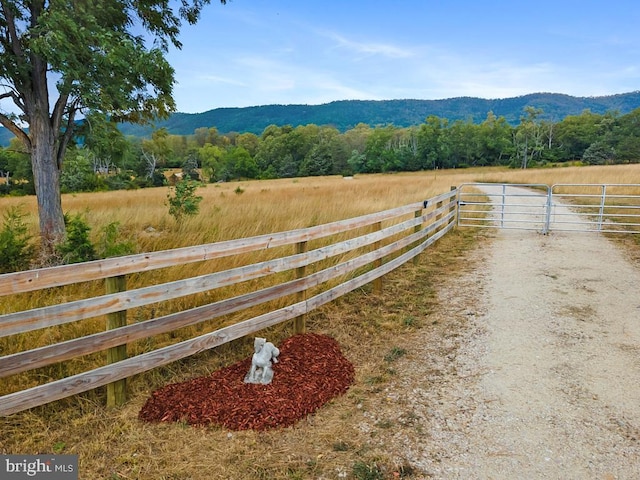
<point x="606" y="208"/>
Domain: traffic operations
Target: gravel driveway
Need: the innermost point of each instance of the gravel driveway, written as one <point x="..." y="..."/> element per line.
<point x="537" y="374"/>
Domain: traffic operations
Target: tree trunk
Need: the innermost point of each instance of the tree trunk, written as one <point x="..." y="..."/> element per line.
<point x="46" y="176"/>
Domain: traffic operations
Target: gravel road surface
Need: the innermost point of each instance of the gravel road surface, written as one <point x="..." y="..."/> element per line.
<point x="536" y="371"/>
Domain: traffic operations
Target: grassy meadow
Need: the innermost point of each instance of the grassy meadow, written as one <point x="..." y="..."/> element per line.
<point x="242" y="209"/>
<point x="113" y="444"/>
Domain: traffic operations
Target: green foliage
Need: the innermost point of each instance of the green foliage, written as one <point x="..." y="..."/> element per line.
<point x="576" y="132"/>
<point x="211" y="160"/>
<point x="15" y="246"/>
<point x="624" y="137"/>
<point x="598" y="153"/>
<point x="111" y="243"/>
<point x="183" y="200"/>
<point x="318" y="162"/>
<point x="59" y="447"/>
<point x="105" y="145"/>
<point x="307" y="150"/>
<point x="409" y="321"/>
<point x="380" y="152"/>
<point x="394" y="354"/>
<point x="102" y="63"/>
<point x="16" y="168"/>
<point x="123" y="180"/>
<point x="239" y="164"/>
<point x="77" y="246"/>
<point x="312" y="150"/>
<point x="77" y="174"/>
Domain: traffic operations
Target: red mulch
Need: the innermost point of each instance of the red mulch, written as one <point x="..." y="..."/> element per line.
<point x="311" y="370"/>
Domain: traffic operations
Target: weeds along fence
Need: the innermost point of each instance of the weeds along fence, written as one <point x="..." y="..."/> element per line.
<point x="70" y="329"/>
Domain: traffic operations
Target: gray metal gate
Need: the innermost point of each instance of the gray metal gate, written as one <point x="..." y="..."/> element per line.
<point x="607" y="208"/>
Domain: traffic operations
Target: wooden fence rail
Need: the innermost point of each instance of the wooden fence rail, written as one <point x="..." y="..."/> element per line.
<point x="339" y="266"/>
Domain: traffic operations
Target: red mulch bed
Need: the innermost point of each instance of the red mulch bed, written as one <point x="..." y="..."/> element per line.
<point x="311" y="370"/>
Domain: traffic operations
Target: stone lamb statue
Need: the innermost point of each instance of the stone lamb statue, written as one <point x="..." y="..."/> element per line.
<point x="265" y="354"/>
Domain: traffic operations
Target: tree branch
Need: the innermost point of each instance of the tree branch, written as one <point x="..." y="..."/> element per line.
<point x="11" y="29"/>
<point x="16" y="130"/>
<point x="58" y="111"/>
<point x="13" y="96"/>
<point x="68" y="132"/>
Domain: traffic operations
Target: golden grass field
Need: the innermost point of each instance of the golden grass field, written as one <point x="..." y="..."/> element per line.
<point x="113" y="444"/>
<point x="276" y="205"/>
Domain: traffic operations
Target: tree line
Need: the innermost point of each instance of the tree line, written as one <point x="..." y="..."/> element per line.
<point x="102" y="158"/>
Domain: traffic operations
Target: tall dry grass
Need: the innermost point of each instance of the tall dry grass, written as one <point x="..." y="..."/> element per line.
<point x="241" y="209"/>
<point x="228" y="211"/>
<point x="112" y="444"/>
<point x="571" y="174"/>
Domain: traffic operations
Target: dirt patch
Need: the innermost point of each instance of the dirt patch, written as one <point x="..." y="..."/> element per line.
<point x="311" y="371"/>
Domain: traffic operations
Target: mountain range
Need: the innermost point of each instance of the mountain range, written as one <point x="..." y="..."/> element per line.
<point x="346" y="114"/>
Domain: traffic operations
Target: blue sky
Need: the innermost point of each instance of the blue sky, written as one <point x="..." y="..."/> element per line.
<point x="261" y="52"/>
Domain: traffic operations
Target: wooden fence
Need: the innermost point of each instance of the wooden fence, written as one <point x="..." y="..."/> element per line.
<point x="349" y="254"/>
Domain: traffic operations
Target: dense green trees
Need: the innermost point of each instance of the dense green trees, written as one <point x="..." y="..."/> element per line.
<point x="624" y="137"/>
<point x="104" y="159"/>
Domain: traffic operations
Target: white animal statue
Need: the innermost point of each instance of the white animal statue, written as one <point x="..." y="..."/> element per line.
<point x="265" y="354"/>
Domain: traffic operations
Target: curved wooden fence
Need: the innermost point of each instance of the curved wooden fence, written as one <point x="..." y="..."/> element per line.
<point x="345" y="256"/>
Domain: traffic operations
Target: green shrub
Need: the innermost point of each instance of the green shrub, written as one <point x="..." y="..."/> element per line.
<point x="77" y="246"/>
<point x="394" y="354"/>
<point x="15" y="245"/>
<point x="598" y="153"/>
<point x="120" y="181"/>
<point x="111" y="243"/>
<point x="77" y="175"/>
<point x="184" y="201"/>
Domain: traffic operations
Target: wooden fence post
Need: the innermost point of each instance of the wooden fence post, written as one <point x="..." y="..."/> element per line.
<point x="116" y="391"/>
<point x="454" y="205"/>
<point x="377" y="283"/>
<point x="300" y="322"/>
<point x="416" y="229"/>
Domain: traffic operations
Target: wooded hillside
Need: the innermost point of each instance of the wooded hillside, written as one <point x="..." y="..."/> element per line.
<point x="346" y="114"/>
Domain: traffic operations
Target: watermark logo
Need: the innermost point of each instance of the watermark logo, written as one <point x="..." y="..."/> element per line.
<point x="45" y="467"/>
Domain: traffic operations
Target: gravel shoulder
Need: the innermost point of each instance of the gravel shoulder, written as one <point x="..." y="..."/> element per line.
<point x="537" y="373"/>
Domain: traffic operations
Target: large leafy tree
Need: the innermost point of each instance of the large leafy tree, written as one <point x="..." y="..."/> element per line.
<point x="576" y="132"/>
<point x="528" y="136"/>
<point x="62" y="58"/>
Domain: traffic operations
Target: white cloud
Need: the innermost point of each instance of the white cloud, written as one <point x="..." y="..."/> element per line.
<point x="208" y="78"/>
<point x="368" y="48"/>
<point x="304" y="64"/>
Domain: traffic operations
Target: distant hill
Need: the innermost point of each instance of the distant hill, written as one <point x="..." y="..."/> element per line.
<point x="345" y="114"/>
<point x="5" y="136"/>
